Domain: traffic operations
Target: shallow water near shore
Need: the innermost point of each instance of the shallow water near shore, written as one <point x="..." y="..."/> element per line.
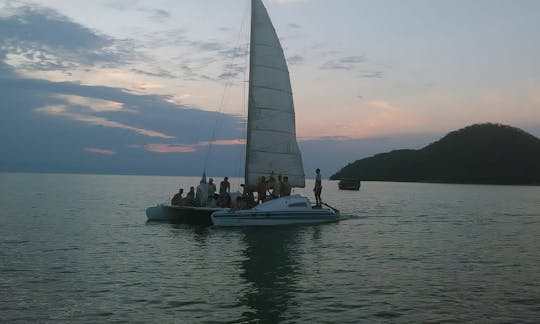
<point x="77" y="248"/>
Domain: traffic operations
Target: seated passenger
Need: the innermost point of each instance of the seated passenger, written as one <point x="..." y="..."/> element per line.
<point x="190" y="197"/>
<point x="286" y="187"/>
<point x="213" y="202"/>
<point x="177" y="199"/>
<point x="241" y="203"/>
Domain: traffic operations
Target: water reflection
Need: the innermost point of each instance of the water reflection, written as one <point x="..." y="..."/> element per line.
<point x="272" y="268"/>
<point x="200" y="233"/>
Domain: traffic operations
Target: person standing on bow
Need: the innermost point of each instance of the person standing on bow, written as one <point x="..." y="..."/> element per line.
<point x="261" y="190"/>
<point x="318" y="187"/>
<point x="211" y="188"/>
<point x="286" y="187"/>
<point x="224" y="187"/>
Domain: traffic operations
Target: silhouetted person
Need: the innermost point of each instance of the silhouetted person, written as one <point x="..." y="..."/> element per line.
<point x="211" y="188"/>
<point x="177" y="199"/>
<point x="276" y="191"/>
<point x="261" y="190"/>
<point x="241" y="203"/>
<point x="271" y="184"/>
<point x="202" y="193"/>
<point x="318" y="187"/>
<point x="224" y="187"/>
<point x="225" y="201"/>
<point x="214" y="201"/>
<point x="285" y="187"/>
<point x="190" y="197"/>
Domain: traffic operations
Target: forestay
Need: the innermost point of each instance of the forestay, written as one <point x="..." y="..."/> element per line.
<point x="271" y="133"/>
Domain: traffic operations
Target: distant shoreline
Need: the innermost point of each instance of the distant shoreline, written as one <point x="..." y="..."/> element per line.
<point x="197" y="176"/>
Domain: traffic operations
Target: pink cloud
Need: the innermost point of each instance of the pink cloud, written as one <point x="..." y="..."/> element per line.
<point x="185" y="148"/>
<point x="170" y="148"/>
<point x="224" y="142"/>
<point x="99" y="151"/>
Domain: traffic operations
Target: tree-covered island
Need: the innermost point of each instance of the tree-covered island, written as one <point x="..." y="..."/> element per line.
<point x="478" y="154"/>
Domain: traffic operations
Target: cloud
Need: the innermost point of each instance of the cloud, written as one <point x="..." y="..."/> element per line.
<point x="122" y="4"/>
<point x="231" y="71"/>
<point x="33" y="37"/>
<point x="345" y="63"/>
<point x="125" y="5"/>
<point x="99" y="151"/>
<point x="296" y="59"/>
<point x="158" y="14"/>
<point x="170" y="148"/>
<point x="224" y="142"/>
<point x="190" y="148"/>
<point x="93" y="104"/>
<point x="62" y="111"/>
<point x="372" y="74"/>
<point x="158" y="73"/>
<point x="234" y="52"/>
<point x="38" y="42"/>
<point x="208" y="46"/>
<point x="73" y="124"/>
<point x="68" y="116"/>
<point x="381" y="104"/>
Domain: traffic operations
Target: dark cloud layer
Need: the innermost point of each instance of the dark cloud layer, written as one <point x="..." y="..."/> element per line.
<point x="50" y="41"/>
<point x="34" y="136"/>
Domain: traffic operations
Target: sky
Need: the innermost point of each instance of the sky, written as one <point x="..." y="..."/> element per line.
<point x="150" y="87"/>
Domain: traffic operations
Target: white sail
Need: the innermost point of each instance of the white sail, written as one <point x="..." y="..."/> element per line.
<point x="271" y="146"/>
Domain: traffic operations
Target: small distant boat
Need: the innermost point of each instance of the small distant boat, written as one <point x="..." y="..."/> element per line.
<point x="290" y="210"/>
<point x="349" y="184"/>
<point x="182" y="214"/>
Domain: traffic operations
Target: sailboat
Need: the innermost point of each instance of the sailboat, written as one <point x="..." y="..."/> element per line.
<point x="271" y="145"/>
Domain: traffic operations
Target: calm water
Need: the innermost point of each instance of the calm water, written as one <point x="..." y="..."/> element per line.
<point x="77" y="248"/>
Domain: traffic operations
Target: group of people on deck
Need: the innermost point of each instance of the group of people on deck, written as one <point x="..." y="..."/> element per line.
<point x="267" y="188"/>
<point x="275" y="189"/>
<point x="205" y="195"/>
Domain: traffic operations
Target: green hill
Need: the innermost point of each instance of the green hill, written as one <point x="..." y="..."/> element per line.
<point x="481" y="153"/>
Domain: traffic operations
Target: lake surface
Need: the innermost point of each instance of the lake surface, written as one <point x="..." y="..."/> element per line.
<point x="77" y="248"/>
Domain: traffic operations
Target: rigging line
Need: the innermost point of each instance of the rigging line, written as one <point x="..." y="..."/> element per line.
<point x="228" y="82"/>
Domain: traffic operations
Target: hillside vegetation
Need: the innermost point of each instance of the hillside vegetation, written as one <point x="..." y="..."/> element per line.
<point x="481" y="153"/>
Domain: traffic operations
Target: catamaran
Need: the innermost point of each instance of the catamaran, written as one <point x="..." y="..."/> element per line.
<point x="271" y="145"/>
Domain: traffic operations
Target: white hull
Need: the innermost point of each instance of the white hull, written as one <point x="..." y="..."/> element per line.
<point x="290" y="210"/>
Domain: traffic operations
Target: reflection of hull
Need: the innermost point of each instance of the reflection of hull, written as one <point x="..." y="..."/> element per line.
<point x="283" y="211"/>
<point x="182" y="214"/>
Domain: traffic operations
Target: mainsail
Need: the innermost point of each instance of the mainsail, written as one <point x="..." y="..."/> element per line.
<point x="271" y="146"/>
